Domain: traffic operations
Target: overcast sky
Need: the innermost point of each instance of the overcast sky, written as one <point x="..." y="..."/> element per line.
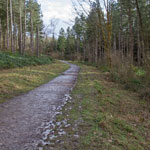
<point x="59" y="9"/>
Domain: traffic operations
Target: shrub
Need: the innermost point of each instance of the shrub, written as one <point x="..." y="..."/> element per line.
<point x="9" y="60"/>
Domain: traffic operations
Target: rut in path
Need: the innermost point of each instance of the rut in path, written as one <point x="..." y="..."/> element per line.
<point x="21" y="117"/>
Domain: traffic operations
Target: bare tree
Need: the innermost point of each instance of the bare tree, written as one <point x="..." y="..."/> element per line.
<point x="51" y="27"/>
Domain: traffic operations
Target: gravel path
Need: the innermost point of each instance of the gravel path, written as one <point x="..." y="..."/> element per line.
<point x="22" y="119"/>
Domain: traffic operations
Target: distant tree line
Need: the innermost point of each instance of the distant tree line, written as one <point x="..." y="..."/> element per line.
<point x="119" y="28"/>
<point x="109" y="29"/>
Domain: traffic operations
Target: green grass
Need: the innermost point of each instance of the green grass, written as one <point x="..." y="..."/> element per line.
<point x="20" y="80"/>
<point x="106" y="116"/>
<point x="13" y="60"/>
<point x="134" y="78"/>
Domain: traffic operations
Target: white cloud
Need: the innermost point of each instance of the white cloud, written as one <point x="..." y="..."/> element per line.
<point x="59" y="9"/>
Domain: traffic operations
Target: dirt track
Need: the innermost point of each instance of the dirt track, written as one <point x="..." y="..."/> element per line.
<point x="23" y="118"/>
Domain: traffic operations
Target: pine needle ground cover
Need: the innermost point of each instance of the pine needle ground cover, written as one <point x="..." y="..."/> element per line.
<point x="20" y="80"/>
<point x="102" y="116"/>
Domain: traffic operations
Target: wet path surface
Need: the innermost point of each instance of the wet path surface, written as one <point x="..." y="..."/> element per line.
<point x="23" y="119"/>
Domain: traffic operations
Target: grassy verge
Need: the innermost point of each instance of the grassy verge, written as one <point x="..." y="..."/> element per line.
<point x="19" y="80"/>
<point x="13" y="60"/>
<point x="134" y="78"/>
<point x="103" y="115"/>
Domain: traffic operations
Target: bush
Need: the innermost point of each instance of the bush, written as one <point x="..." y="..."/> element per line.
<point x="135" y="78"/>
<point x="9" y="60"/>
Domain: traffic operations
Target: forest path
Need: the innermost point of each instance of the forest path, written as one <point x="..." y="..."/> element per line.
<point x="23" y="118"/>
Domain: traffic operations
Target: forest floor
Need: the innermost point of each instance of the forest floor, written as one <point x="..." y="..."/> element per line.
<point x="16" y="81"/>
<point x="101" y="115"/>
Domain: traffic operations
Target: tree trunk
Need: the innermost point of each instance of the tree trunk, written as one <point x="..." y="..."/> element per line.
<point x="7" y="25"/>
<point x="17" y="38"/>
<point x="0" y="35"/>
<point x="24" y="38"/>
<point x="127" y="41"/>
<point x="31" y="33"/>
<point x="20" y="31"/>
<point x="11" y="26"/>
<point x="131" y="34"/>
<point x="77" y="47"/>
<point x="4" y="40"/>
<point x="37" y="41"/>
<point x="140" y="34"/>
<point x="15" y="33"/>
<point x="114" y="44"/>
<point x="96" y="46"/>
<point x="121" y="33"/>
